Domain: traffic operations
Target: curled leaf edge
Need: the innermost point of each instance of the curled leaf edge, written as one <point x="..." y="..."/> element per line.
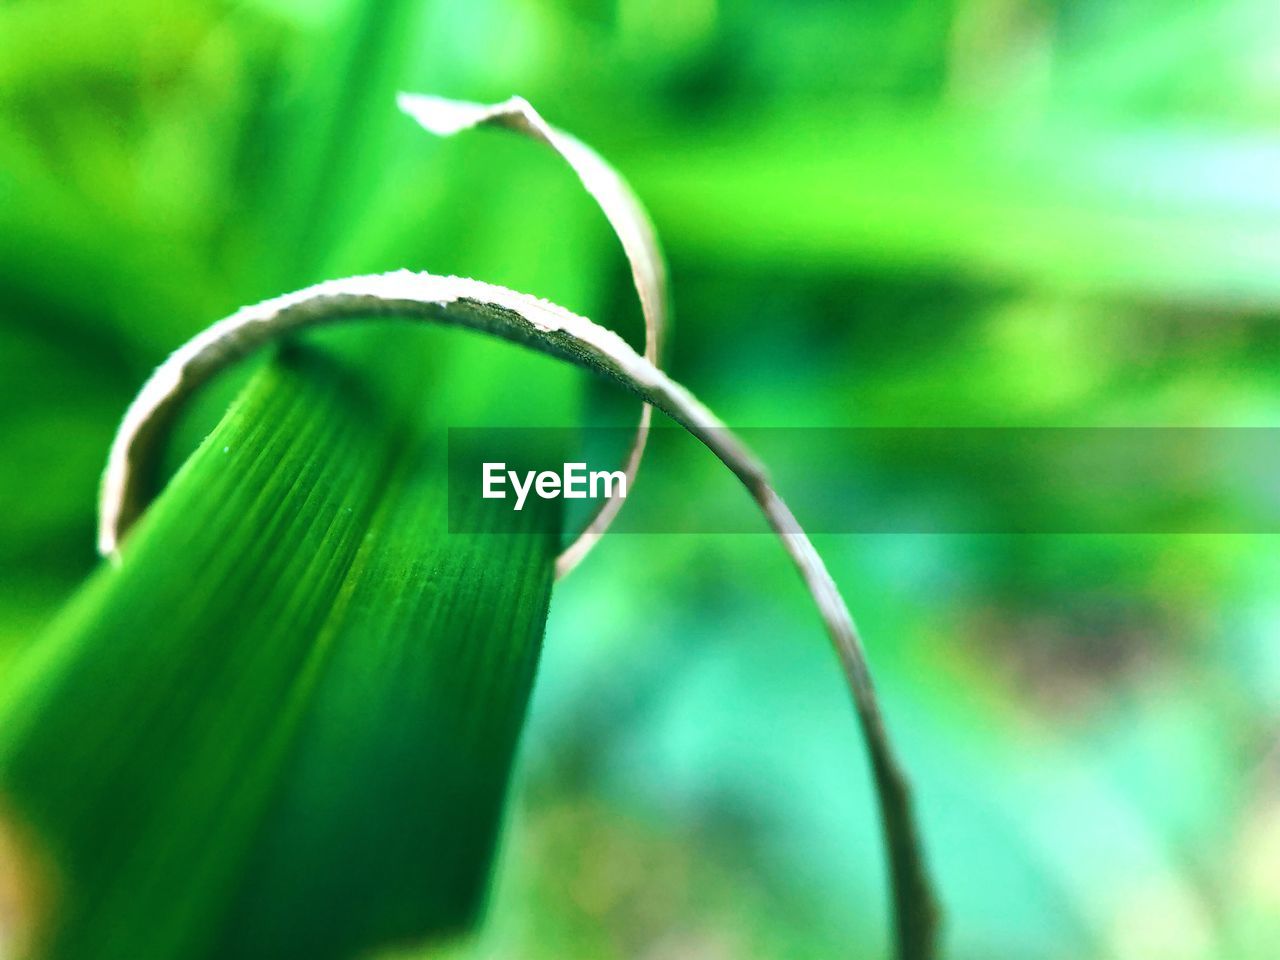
<point x="631" y="225"/>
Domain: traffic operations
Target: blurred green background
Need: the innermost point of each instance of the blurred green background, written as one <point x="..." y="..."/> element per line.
<point x="975" y="212"/>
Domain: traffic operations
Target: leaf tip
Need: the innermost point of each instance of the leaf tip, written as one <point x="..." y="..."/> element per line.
<point x="436" y="114"/>
<point x="405" y="101"/>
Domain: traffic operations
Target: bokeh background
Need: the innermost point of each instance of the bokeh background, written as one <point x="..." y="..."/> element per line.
<point x="973" y="212"/>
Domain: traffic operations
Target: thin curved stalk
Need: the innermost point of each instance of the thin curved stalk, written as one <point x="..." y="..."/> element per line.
<point x="631" y="224"/>
<point x="551" y="329"/>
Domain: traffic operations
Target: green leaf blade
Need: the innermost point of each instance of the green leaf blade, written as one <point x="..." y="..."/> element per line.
<point x="281" y="665"/>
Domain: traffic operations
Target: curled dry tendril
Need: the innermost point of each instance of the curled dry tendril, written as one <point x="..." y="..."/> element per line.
<point x="551" y="329"/>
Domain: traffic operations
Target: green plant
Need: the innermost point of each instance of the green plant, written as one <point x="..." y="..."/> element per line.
<point x="243" y="700"/>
